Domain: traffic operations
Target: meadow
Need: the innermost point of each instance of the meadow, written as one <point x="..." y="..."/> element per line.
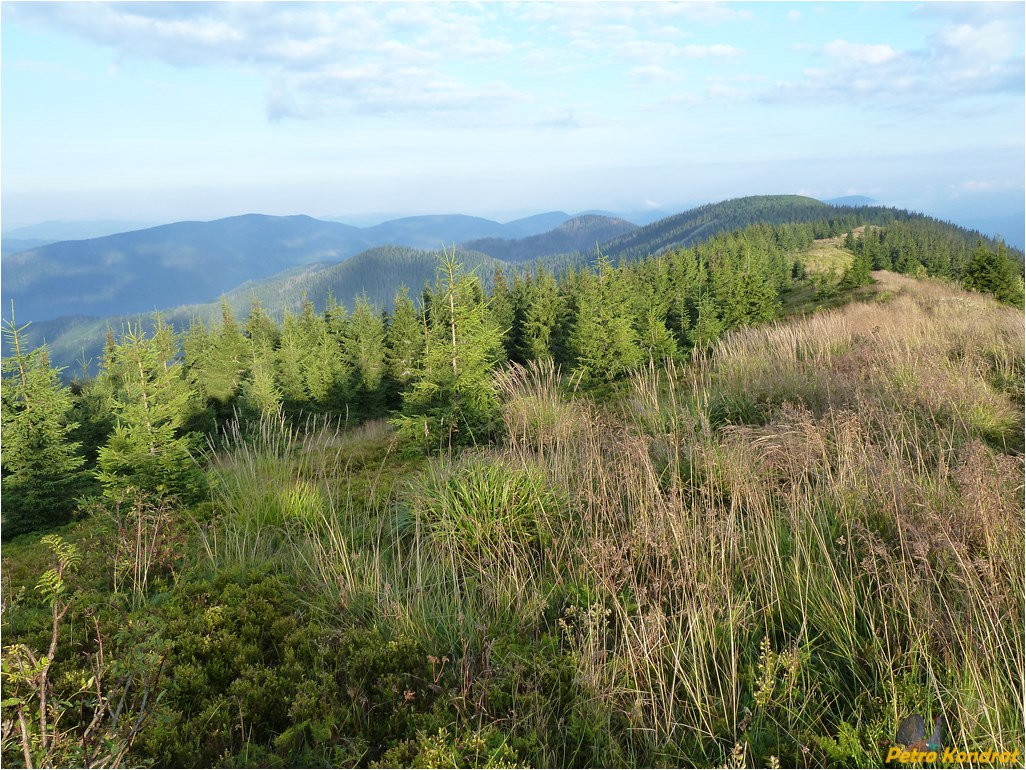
<point x="767" y="556"/>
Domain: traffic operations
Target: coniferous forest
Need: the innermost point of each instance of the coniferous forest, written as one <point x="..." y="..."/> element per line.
<point x="746" y="501"/>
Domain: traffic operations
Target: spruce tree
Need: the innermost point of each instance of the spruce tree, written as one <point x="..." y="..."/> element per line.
<point x="232" y="359"/>
<point x="687" y="279"/>
<point x="290" y="358"/>
<point x="148" y="453"/>
<point x="261" y="331"/>
<point x="542" y="315"/>
<point x="363" y="345"/>
<point x="41" y="465"/>
<point x="311" y="373"/>
<point x="197" y="347"/>
<point x="404" y="345"/>
<point x="451" y="401"/>
<point x="604" y="340"/>
<point x="857" y="274"/>
<point x="657" y="341"/>
<point x="322" y="370"/>
<point x="259" y="393"/>
<point x="708" y="326"/>
<point x="993" y="272"/>
<point x="745" y="287"/>
<point x="259" y="397"/>
<point x="502" y="309"/>
<point x="520" y="292"/>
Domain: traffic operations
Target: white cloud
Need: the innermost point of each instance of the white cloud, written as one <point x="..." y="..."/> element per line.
<point x="988" y="43"/>
<point x="971" y="12"/>
<point x="593" y="15"/>
<point x="318" y="58"/>
<point x="647" y="51"/>
<point x="860" y="53"/>
<point x="652" y="73"/>
<point x="961" y="60"/>
<point x="717" y="51"/>
<point x="438" y="57"/>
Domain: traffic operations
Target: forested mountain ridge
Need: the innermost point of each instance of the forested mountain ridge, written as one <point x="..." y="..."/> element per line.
<point x="194" y="262"/>
<point x="430" y="231"/>
<point x="578" y="234"/>
<point x="56" y="230"/>
<point x="692" y="226"/>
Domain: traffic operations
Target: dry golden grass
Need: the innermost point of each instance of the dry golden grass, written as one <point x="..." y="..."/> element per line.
<point x="858" y="516"/>
<point x="828" y="255"/>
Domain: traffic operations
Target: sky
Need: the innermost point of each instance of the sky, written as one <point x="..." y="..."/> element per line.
<point x="163" y="111"/>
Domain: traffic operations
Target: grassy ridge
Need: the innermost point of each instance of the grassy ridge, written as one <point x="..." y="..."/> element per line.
<point x="769" y="555"/>
<point x="778" y="551"/>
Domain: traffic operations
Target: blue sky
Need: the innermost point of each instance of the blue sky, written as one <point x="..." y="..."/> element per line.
<point x="167" y="111"/>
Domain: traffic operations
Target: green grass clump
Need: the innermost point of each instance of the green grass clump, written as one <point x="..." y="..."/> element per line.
<point x="483" y="509"/>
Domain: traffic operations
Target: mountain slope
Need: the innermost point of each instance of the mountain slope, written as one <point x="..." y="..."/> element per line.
<point x="852" y="200"/>
<point x="535" y="225"/>
<point x="578" y="234"/>
<point x="75" y="231"/>
<point x="432" y="232"/>
<point x="166" y="265"/>
<point x="694" y="225"/>
<point x="377" y="272"/>
<point x="15" y="245"/>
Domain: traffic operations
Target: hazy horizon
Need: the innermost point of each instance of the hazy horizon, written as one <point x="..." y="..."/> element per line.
<point x="159" y="112"/>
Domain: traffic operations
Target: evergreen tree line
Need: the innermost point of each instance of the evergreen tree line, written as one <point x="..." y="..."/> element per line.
<point x="924" y="247"/>
<point x="135" y="429"/>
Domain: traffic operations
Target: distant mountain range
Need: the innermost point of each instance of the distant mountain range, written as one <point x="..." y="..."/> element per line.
<point x="53" y="231"/>
<point x="193" y="262"/>
<point x="34" y="236"/>
<point x="15" y="245"/>
<point x="172" y="264"/>
<point x="74" y="290"/>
